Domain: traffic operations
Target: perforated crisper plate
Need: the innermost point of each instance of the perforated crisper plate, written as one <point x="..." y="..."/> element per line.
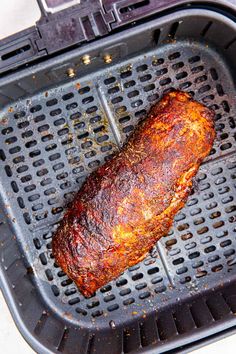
<point x="52" y="141"/>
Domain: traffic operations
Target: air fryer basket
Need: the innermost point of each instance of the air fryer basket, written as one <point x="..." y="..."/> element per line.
<point x="56" y="130"/>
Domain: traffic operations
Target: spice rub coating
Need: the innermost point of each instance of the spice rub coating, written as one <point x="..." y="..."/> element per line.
<point x="129" y="203"/>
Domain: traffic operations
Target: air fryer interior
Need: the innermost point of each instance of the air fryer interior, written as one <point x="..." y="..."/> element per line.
<point x="56" y="130"/>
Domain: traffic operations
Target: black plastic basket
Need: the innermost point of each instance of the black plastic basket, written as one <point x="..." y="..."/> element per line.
<point x="63" y="117"/>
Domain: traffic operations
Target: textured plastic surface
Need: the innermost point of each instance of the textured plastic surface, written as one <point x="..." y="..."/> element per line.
<point x="77" y="25"/>
<point x="52" y="139"/>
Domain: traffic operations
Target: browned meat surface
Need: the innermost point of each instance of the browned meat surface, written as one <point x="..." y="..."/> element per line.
<point x="129" y="203"/>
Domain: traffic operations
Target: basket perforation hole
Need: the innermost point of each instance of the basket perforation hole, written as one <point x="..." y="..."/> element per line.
<point x="129" y="84"/>
<point x="140" y="114"/>
<point x="232" y="123"/>
<point x="55" y="112"/>
<point x="49" y="274"/>
<point x="181" y="75"/>
<point x="116" y="100"/>
<point x="113" y="90"/>
<point x="200" y="79"/>
<point x="26" y="178"/>
<point x="174" y="251"/>
<point x="37" y="207"/>
<point x="109" y="298"/>
<point x="160" y="289"/>
<point x="192" y="202"/>
<point x="91" y="109"/>
<point x="178" y="65"/>
<point x="47" y="138"/>
<point x="174" y="56"/>
<point x="84" y="90"/>
<point x="186" y="236"/>
<point x="185" y="85"/>
<point x="225" y="146"/>
<point x="30" y="188"/>
<point x="33" y="197"/>
<point x="88" y="99"/>
<point x="161" y="72"/>
<point x="39" y="118"/>
<point x="181" y="270"/>
<point x="230" y="208"/>
<point x="194" y="59"/>
<point x="229" y="253"/>
<point x="11" y="140"/>
<point x="217" y="268"/>
<point x="14" y="187"/>
<point x="51" y="102"/>
<point x="140" y="286"/>
<point x="66" y="282"/>
<point x="206" y="239"/>
<point x="185" y="280"/>
<point x="132" y="94"/>
<point x="113" y="307"/>
<point x="178" y="261"/>
<point x="170" y="243"/>
<point x="95" y="119"/>
<point x="81" y="311"/>
<point x="67" y="96"/>
<point x="165" y="81"/>
<point x="214" y="74"/>
<point x="129" y="301"/>
<point x="19" y="114"/>
<point x="197" y="69"/>
<point x="144" y="295"/>
<point x="106" y="288"/>
<point x="153" y="270"/>
<point x="141" y="68"/>
<point x="27" y="134"/>
<point x="70" y="292"/>
<point x="204" y="89"/>
<point x="145" y="78"/>
<point x="74" y="301"/>
<point x="213" y="258"/>
<point x="152" y="98"/>
<point x="7" y="130"/>
<point x="36" y="108"/>
<point x="27" y="219"/>
<point x="71" y="106"/>
<point x="55" y="290"/>
<point x="124" y="292"/>
<point x="199" y="221"/>
<point x="197" y="264"/>
<point x="225" y="106"/>
<point x="97" y="313"/>
<point x="121" y="282"/>
<point x="210" y="249"/>
<point x="195" y="211"/>
<point x="194" y="255"/>
<point x="92" y="304"/>
<point x="109" y="80"/>
<point x="190" y="245"/>
<point x="201" y="273"/>
<point x="183" y="227"/>
<point x="58" y="122"/>
<point x="8" y="170"/>
<point x="218" y="224"/>
<point x="225" y="243"/>
<point x="125" y="74"/>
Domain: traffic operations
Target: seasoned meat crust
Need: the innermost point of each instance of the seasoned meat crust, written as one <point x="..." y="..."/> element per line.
<point x="129" y="203"/>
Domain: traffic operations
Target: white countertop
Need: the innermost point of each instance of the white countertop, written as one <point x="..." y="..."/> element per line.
<point x="16" y="15"/>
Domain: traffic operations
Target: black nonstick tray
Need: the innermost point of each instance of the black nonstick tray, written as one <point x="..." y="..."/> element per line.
<point x="56" y="129"/>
